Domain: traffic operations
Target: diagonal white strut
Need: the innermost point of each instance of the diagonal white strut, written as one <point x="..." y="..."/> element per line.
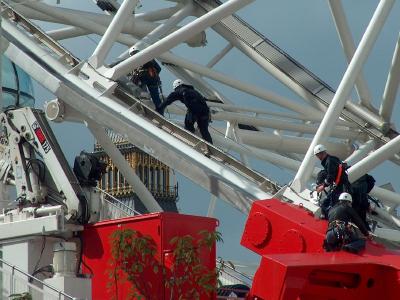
<point x="129" y="174"/>
<point x="349" y="48"/>
<point x="344" y="90"/>
<point x="177" y="37"/>
<point x="106" y="42"/>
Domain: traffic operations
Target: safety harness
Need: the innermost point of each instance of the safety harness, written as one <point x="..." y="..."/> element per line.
<point x="339" y="174"/>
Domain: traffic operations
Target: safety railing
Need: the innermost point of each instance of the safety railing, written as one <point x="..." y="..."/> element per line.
<point x="17" y="283"/>
<point x="113" y="208"/>
<point x="229" y="275"/>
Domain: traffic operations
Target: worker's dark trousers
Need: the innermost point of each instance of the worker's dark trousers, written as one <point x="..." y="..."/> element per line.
<point x="330" y="201"/>
<point x="202" y="123"/>
<point x="155" y="94"/>
<point x="361" y="203"/>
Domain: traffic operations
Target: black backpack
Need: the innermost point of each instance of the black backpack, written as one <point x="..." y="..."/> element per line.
<point x="370" y="182"/>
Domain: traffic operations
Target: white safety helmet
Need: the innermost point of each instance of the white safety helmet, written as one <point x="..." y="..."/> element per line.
<point x="319" y="148"/>
<point x="133" y="51"/>
<point x="176" y="83"/>
<point x="345" y="197"/>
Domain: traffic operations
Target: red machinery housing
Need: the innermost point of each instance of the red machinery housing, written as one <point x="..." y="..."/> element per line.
<point x="294" y="265"/>
<point x="162" y="227"/>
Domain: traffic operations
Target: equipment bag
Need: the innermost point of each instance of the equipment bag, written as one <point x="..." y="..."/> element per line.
<point x="370" y="182"/>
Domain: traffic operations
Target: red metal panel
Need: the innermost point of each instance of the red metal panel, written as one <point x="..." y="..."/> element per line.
<point x="333" y="276"/>
<point x="277" y="227"/>
<point x="294" y="265"/>
<point x="162" y="227"/>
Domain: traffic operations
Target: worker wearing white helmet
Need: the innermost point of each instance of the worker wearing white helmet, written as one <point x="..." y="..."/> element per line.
<point x="177" y="83"/>
<point x="335" y="178"/>
<point x="197" y="108"/>
<point x="345" y="197"/>
<point x="340" y="234"/>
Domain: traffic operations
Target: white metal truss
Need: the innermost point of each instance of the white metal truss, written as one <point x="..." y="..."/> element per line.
<point x="282" y="133"/>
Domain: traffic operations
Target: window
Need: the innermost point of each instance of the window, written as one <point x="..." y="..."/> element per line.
<point x="17" y="85"/>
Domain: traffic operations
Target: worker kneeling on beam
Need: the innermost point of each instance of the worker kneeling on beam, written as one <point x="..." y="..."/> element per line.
<point x="336" y="178"/>
<point x="341" y="233"/>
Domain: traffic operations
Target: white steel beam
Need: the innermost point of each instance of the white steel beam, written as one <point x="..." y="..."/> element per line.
<point x="157" y="15"/>
<point x="240" y="85"/>
<point x="129" y="174"/>
<point x="257" y="112"/>
<point x="231" y="128"/>
<point x="219" y="55"/>
<point x="385" y="195"/>
<point x="211" y="206"/>
<point x="368" y="116"/>
<point x="94" y="23"/>
<point x="66" y="33"/>
<point x="114" y="29"/>
<point x="264" y="155"/>
<point x="374" y="159"/>
<point x="361" y="152"/>
<point x="165" y="27"/>
<point x="344" y="90"/>
<point x="175" y="38"/>
<point x="282" y="125"/>
<point x="349" y="48"/>
<point x="289" y="144"/>
<point x="392" y="85"/>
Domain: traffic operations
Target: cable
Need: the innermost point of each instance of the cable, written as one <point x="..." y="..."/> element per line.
<point x="45" y="269"/>
<point x="40" y="257"/>
<point x="80" y="261"/>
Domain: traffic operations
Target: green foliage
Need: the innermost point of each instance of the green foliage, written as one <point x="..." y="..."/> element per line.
<point x="22" y="296"/>
<point x="188" y="277"/>
<point x="134" y="255"/>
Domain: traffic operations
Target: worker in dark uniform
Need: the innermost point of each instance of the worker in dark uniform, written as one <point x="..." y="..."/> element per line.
<point x="341" y="234"/>
<point x="148" y="76"/>
<point x="336" y="178"/>
<point x="360" y="189"/>
<point x="197" y="108"/>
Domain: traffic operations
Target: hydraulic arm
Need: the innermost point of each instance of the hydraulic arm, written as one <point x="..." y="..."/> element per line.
<point x="31" y="158"/>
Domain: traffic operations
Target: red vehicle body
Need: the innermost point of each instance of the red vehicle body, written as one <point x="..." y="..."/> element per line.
<point x="162" y="227"/>
<point x="294" y="265"/>
<point x="287" y="237"/>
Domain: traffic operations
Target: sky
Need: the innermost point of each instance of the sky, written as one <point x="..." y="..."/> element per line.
<point x="303" y="29"/>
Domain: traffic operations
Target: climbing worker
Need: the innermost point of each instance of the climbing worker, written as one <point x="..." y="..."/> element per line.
<point x="360" y="189"/>
<point x="197" y="108"/>
<point x="148" y="76"/>
<point x="341" y="233"/>
<point x="336" y="178"/>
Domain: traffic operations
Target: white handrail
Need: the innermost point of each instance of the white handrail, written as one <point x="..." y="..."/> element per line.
<point x="30" y="278"/>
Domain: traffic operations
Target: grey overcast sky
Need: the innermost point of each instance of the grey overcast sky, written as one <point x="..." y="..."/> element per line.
<point x="304" y="29"/>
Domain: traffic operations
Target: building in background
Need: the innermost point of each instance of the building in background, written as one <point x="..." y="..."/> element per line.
<point x="158" y="177"/>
